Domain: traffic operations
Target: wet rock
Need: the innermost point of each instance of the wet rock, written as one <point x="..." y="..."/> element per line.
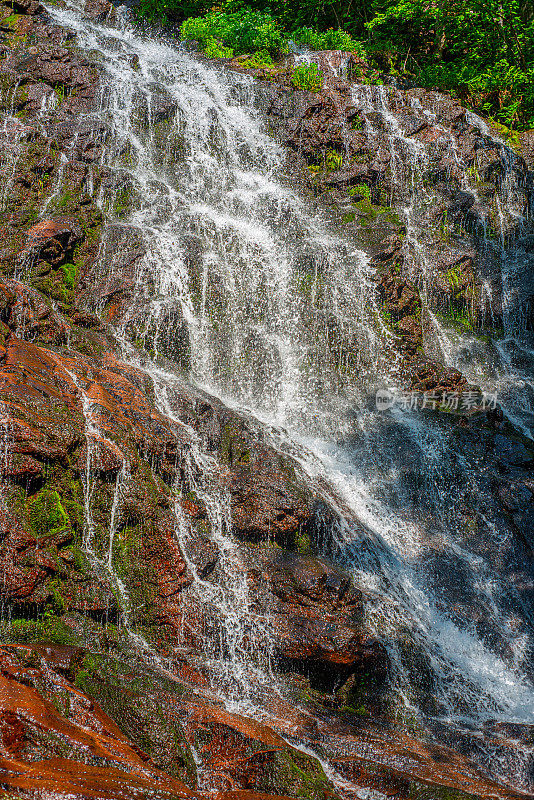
<point x="401" y="305"/>
<point x="267" y="501"/>
<point x="99" y="10"/>
<point x="429" y="376"/>
<point x="36" y="95"/>
<point x="54" y="239"/>
<point x="510" y="452"/>
<point x="355" y="175"/>
<point x="162" y="106"/>
<point x="56" y="65"/>
<point x="461" y="203"/>
<point x="527" y="243"/>
<point x="110" y="291"/>
<point x="242" y="754"/>
<point x="60" y="657"/>
<point x="33" y="726"/>
<point x="317" y="617"/>
<point x="433" y="770"/>
<point x="30" y="7"/>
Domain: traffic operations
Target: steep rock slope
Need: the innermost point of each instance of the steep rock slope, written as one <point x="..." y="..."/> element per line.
<point x="108" y="680"/>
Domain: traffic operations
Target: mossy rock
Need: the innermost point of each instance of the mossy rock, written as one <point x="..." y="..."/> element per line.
<point x="143" y="706"/>
<point x="47" y="515"/>
<point x="49" y="627"/>
<point x="296" y="774"/>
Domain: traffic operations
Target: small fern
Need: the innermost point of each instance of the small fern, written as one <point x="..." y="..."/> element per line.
<point x="334" y="160"/>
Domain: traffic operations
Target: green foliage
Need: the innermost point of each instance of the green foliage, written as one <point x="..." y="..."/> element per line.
<point x="481" y="49"/>
<point x="330" y="40"/>
<point x="361" y="190"/>
<point x="326" y="15"/>
<point x="334" y="160"/>
<point x="251" y="31"/>
<point x="215" y="50"/>
<point x="243" y="32"/>
<point x="453" y="278"/>
<point x="47" y="515"/>
<point x="59" y="89"/>
<point x="308" y="76"/>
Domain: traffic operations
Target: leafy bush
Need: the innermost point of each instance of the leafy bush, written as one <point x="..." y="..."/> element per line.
<point x="481" y="49"/>
<point x="215" y="50"/>
<point x="244" y="32"/>
<point x="330" y="40"/>
<point x="261" y="58"/>
<point x="308" y="76"/>
<point x="248" y="31"/>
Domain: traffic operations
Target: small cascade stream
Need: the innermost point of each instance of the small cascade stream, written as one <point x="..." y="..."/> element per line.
<point x="235" y="641"/>
<point x="263" y="305"/>
<point x="102" y="562"/>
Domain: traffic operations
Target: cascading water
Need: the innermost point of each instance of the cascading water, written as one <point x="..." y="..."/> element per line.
<point x="235" y="641"/>
<point x="263" y="306"/>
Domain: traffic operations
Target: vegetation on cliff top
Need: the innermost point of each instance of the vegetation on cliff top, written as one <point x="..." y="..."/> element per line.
<point x="481" y="50"/>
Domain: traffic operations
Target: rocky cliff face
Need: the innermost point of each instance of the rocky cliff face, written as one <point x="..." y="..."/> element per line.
<point x="133" y="505"/>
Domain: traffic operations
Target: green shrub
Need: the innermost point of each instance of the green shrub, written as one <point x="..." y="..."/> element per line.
<point x="215" y="50"/>
<point x="262" y="58"/>
<point x="308" y="76"/>
<point x="483" y="51"/>
<point x="330" y="40"/>
<point x="334" y="160"/>
<point x="243" y="32"/>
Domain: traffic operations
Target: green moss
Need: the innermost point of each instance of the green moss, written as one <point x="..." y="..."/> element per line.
<point x="143" y="706"/>
<point x="11" y="20"/>
<point x="57" y="604"/>
<point x="510" y="136"/>
<point x="311" y="285"/>
<point x="421" y="791"/>
<point x="70" y="273"/>
<point x="233" y="449"/>
<point x="80" y="561"/>
<point x="46" y="513"/>
<point x="360" y="189"/>
<point x="74" y="509"/>
<point x="122" y="202"/>
<point x="297" y="775"/>
<point x="458" y="317"/>
<point x="50" y="627"/>
<point x="64" y="201"/>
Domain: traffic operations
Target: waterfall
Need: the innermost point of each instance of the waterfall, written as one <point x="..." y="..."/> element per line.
<point x="264" y="306"/>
